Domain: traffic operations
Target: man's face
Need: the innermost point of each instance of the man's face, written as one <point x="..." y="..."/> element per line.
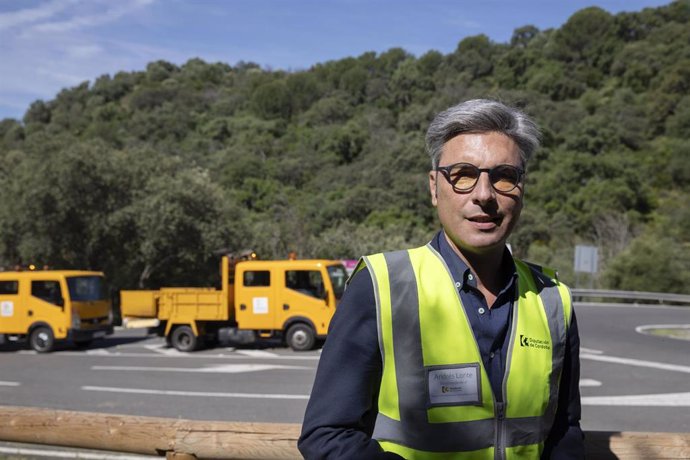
<point x="481" y="219"/>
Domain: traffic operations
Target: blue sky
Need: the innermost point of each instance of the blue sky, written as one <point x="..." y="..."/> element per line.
<point x="47" y="45"/>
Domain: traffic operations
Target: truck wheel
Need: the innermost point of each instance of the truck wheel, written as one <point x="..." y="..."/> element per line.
<point x="300" y="337"/>
<point x="183" y="339"/>
<point x="42" y="339"/>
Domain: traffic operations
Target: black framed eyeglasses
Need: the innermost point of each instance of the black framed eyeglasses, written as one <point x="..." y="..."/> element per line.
<point x="463" y="177"/>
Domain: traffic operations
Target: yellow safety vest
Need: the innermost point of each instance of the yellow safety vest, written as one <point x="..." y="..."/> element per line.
<point x="435" y="399"/>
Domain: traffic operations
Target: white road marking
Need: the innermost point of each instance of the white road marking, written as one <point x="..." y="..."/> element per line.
<point x="656" y="400"/>
<point x="9" y="384"/>
<point x="196" y="355"/>
<point x="637" y="362"/>
<point x="163" y="349"/>
<point x="194" y="393"/>
<point x="590" y="350"/>
<point x="596" y="305"/>
<point x="98" y="351"/>
<point x="139" y="343"/>
<point x="661" y="326"/>
<point x="589" y="383"/>
<point x="257" y="353"/>
<point x="217" y="369"/>
<point x="66" y="454"/>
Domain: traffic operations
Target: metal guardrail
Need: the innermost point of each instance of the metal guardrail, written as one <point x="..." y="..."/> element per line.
<point x="658" y="297"/>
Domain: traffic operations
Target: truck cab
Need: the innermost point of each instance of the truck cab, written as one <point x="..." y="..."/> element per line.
<point x="49" y="305"/>
<point x="295" y="297"/>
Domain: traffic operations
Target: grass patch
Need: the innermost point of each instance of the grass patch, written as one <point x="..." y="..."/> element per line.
<point x="675" y="332"/>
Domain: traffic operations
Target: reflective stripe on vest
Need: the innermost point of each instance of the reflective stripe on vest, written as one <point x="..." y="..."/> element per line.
<point x="423" y="327"/>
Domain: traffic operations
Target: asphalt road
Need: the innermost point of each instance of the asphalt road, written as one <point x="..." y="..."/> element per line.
<point x="131" y="373"/>
<point x="630" y="381"/>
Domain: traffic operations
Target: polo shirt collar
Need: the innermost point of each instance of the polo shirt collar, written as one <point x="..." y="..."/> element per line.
<point x="462" y="275"/>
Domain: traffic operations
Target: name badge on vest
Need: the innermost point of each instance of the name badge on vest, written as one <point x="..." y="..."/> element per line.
<point x="454" y="385"/>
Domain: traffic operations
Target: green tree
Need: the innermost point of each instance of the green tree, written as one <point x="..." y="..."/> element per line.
<point x="587" y="37"/>
<point x="272" y="100"/>
<point x="143" y="174"/>
<point x="651" y="261"/>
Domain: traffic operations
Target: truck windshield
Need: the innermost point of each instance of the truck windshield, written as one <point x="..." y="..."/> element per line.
<point x="338" y="277"/>
<point x="85" y="288"/>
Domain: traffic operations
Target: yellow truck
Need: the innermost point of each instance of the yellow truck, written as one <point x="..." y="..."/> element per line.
<point x="49" y="305"/>
<point x="289" y="299"/>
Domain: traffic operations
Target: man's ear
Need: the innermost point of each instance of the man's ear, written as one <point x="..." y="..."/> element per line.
<point x="433" y="190"/>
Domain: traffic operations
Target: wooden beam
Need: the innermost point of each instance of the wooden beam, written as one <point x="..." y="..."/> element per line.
<point x="178" y="439"/>
<point x="608" y="445"/>
<point x="149" y="435"/>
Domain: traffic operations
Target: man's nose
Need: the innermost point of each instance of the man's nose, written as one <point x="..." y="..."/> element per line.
<point x="483" y="191"/>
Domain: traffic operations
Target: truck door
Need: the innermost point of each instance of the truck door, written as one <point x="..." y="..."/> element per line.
<point x="255" y="304"/>
<point x="305" y="296"/>
<point x="13" y="319"/>
<point x="49" y="304"/>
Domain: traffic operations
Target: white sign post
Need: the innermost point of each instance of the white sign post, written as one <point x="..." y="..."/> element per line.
<point x="586" y="261"/>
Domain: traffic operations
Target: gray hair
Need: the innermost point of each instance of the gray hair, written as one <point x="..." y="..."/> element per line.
<point x="481" y="116"/>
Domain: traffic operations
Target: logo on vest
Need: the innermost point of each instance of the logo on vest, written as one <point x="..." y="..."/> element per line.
<point x="455" y="377"/>
<point x="530" y="342"/>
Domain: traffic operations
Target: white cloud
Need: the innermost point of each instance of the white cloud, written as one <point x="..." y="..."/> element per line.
<point x="84" y="51"/>
<point x="21" y="17"/>
<point x="464" y="23"/>
<point x="56" y="45"/>
<point x="79" y="22"/>
<point x="141" y="52"/>
<point x="62" y="78"/>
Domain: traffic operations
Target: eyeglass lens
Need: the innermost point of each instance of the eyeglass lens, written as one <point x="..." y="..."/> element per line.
<point x="503" y="178"/>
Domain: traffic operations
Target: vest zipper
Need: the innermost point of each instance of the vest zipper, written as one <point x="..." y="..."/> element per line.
<point x="499" y="449"/>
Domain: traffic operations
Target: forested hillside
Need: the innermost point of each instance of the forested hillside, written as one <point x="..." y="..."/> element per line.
<point x="145" y="174"/>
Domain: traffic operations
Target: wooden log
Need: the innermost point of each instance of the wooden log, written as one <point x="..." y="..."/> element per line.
<point x="178" y="439"/>
<point x="606" y="445"/>
<point x="149" y="435"/>
<point x="178" y="456"/>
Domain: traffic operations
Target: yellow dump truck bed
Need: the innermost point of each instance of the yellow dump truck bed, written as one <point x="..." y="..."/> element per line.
<point x="139" y="304"/>
<point x="177" y="304"/>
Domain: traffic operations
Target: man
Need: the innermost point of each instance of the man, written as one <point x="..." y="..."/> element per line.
<point x="455" y="349"/>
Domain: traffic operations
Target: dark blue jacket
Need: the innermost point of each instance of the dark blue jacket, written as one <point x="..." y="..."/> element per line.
<point x="342" y="409"/>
